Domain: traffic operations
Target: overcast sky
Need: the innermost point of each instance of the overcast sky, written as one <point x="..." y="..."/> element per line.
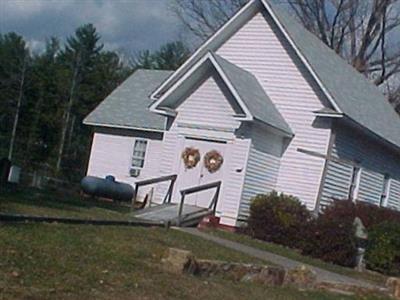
<point x="129" y="25"/>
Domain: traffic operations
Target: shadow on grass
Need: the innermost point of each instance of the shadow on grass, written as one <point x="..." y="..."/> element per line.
<point x="56" y="200"/>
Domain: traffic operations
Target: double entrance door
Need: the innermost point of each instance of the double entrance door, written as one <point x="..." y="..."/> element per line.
<point x="199" y="175"/>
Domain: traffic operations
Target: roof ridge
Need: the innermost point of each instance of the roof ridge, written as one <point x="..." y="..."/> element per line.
<point x="153" y="70"/>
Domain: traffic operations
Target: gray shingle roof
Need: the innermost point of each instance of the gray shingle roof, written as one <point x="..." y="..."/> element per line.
<point x="127" y="106"/>
<point x="358" y="98"/>
<point x="253" y="95"/>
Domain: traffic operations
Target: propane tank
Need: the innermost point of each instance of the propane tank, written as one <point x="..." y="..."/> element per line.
<point x="107" y="188"/>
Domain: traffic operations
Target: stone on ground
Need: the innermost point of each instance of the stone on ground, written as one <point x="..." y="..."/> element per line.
<point x="180" y="261"/>
<point x="393" y="284"/>
<point x="177" y="260"/>
<point x="301" y="277"/>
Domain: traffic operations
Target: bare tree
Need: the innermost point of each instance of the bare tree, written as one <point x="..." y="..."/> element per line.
<point x="364" y="32"/>
<point x="203" y="17"/>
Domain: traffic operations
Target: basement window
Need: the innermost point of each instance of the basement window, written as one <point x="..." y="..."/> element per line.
<point x="139" y="153"/>
<point x="355" y="183"/>
<point x="385" y="191"/>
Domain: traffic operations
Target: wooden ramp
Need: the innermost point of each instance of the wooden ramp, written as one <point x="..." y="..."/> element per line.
<point x="169" y="212"/>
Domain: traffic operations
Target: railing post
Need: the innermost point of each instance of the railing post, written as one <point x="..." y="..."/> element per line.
<point x="216" y="198"/>
<point x="171" y="189"/>
<point x="181" y="208"/>
<point x="168" y="196"/>
<point x="135" y="193"/>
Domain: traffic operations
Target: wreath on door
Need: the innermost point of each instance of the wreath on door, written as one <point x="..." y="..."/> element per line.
<point x="213" y="161"/>
<point x="191" y="157"/>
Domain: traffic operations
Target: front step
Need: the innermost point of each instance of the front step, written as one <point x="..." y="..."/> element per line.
<point x="195" y="219"/>
<point x="191" y="214"/>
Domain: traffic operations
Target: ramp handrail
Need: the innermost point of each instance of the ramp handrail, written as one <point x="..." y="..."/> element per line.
<point x="196" y="189"/>
<point x="168" y="196"/>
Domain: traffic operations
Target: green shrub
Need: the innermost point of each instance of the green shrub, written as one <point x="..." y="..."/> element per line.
<point x="383" y="251"/>
<point x="278" y="218"/>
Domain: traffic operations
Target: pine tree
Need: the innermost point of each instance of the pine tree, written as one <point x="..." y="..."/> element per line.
<point x="169" y="57"/>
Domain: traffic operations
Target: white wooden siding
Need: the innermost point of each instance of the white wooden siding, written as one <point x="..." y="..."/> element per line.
<point x="209" y="107"/>
<point x="262" y="167"/>
<point x="371" y="187"/>
<point x="257" y="48"/>
<point x="337" y="182"/>
<point x="111" y="155"/>
<point x="394" y="195"/>
<point x="167" y="161"/>
<point x="350" y="145"/>
<point x="232" y="185"/>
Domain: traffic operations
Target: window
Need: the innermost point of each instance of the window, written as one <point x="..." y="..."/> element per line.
<point x="355" y="183"/>
<point x="385" y="191"/>
<point x="139" y="153"/>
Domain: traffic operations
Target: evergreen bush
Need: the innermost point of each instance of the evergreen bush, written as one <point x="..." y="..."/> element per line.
<point x="383" y="252"/>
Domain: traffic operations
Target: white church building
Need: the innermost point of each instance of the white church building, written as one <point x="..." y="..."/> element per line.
<point x="262" y="105"/>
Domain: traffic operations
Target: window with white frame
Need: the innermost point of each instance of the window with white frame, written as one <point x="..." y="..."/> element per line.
<point x="355" y="183"/>
<point x="385" y="191"/>
<point x="139" y="153"/>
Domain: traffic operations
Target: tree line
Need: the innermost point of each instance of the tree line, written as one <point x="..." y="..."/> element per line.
<point x="45" y="96"/>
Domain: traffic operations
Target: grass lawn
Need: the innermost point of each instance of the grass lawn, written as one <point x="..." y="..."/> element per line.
<point x="55" y="261"/>
<point x="290" y="253"/>
<point x="56" y="204"/>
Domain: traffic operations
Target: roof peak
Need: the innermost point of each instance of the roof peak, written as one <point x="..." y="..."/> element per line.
<point x="347" y="90"/>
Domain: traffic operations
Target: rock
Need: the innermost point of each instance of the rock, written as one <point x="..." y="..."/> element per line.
<point x="301" y="277"/>
<point x="14" y="274"/>
<point x="207" y="268"/>
<point x="272" y="276"/>
<point x="178" y="261"/>
<point x="269" y="276"/>
<point x="349" y="289"/>
<point x="181" y="261"/>
<point x="393" y="285"/>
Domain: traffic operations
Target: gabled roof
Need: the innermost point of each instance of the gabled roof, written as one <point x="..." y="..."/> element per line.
<point x="253" y="95"/>
<point x="244" y="87"/>
<point x="128" y="105"/>
<point x="349" y="91"/>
